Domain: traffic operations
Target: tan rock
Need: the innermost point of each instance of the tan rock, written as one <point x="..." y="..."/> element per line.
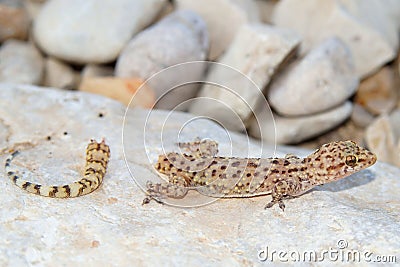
<point x="14" y="22"/>
<point x="126" y="90"/>
<point x="379" y="93"/>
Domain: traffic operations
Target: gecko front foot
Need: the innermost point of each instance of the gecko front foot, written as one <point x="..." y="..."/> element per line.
<point x="272" y="203"/>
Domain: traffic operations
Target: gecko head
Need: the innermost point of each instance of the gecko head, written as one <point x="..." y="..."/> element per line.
<point x="337" y="160"/>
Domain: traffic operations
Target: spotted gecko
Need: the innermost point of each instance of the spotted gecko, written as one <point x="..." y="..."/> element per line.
<point x="97" y="156"/>
<point x="229" y="177"/>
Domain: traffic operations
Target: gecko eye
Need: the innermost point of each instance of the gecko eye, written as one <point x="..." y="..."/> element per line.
<point x="351" y="160"/>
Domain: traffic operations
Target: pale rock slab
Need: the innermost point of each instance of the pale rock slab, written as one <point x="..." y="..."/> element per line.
<point x="284" y="130"/>
<point x="378" y="93"/>
<point x="178" y="38"/>
<point x="234" y="86"/>
<point x="60" y="75"/>
<point x="224" y="19"/>
<point x="100" y="228"/>
<point x="383" y="137"/>
<point x="94" y="31"/>
<point x="20" y="62"/>
<point x="323" y="79"/>
<point x="369" y="28"/>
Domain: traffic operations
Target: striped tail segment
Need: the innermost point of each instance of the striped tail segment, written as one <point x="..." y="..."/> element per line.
<point x="97" y="157"/>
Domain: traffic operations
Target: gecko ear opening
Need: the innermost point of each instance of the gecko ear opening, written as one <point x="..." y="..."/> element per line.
<point x="351" y="160"/>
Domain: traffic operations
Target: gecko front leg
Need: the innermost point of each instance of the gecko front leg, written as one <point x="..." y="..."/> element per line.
<point x="158" y="192"/>
<point x="284" y="189"/>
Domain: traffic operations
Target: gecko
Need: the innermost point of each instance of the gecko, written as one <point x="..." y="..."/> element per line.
<point x="97" y="157"/>
<point x="230" y="177"/>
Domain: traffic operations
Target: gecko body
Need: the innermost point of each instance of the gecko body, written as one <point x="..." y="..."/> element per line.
<point x="229" y="177"/>
<point x="97" y="156"/>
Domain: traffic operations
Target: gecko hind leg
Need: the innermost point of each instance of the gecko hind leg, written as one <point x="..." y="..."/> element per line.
<point x="200" y="148"/>
<point x="158" y="192"/>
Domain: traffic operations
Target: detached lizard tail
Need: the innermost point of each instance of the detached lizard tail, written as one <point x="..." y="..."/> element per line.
<point x="97" y="157"/>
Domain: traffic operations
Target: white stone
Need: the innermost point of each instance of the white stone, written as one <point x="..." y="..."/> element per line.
<point x="60" y="75"/>
<point x="20" y="62"/>
<point x="323" y="79"/>
<point x="255" y="54"/>
<point x="223" y="18"/>
<point x="284" y="130"/>
<point x="99" y="229"/>
<point x="94" y="31"/>
<point x="178" y="38"/>
<point x="368" y="27"/>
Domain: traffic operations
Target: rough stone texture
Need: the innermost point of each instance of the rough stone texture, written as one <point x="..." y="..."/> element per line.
<point x="218" y="14"/>
<point x="60" y="75"/>
<point x="20" y="62"/>
<point x="111" y="227"/>
<point x="368" y="27"/>
<point x="178" y="38"/>
<point x="293" y="130"/>
<point x="94" y="31"/>
<point x="257" y="51"/>
<point x="323" y="79"/>
<point x="14" y="21"/>
<point x="378" y="93"/>
<point x="383" y="137"/>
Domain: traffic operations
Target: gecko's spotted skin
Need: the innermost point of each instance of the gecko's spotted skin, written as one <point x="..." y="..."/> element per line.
<point x="97" y="156"/>
<point x="229" y="177"/>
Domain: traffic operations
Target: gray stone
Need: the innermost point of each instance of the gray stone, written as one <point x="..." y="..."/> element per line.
<point x="20" y="62"/>
<point x="99" y="229"/>
<point x="178" y="38"/>
<point x="60" y="75"/>
<point x="285" y="130"/>
<point x="94" y="31"/>
<point x="323" y="79"/>
<point x="256" y="53"/>
<point x="218" y="14"/>
<point x="369" y="28"/>
<point x="94" y="70"/>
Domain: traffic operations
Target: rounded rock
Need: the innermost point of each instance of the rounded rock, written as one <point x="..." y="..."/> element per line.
<point x="93" y="31"/>
<point x="323" y="79"/>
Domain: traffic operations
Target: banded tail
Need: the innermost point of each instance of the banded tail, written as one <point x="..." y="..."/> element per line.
<point x="97" y="157"/>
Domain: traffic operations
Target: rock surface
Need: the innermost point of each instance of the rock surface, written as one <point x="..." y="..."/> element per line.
<point x="284" y="130"/>
<point x="224" y="18"/>
<point x="93" y="32"/>
<point x="20" y="62"/>
<point x="323" y="79"/>
<point x="369" y="28"/>
<point x="257" y="52"/>
<point x="111" y="227"/>
<point x="178" y="38"/>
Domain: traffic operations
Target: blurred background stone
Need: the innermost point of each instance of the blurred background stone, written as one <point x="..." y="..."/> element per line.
<point x="94" y="31"/>
<point x="224" y="19"/>
<point x="178" y="38"/>
<point x="20" y="62"/>
<point x="14" y="20"/>
<point x="60" y="75"/>
<point x="323" y="79"/>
